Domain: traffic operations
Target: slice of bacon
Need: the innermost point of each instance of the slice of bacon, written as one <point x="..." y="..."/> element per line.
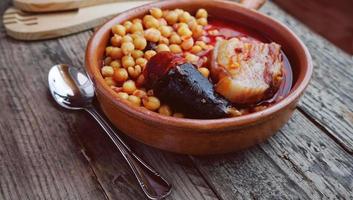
<point x="246" y="71"/>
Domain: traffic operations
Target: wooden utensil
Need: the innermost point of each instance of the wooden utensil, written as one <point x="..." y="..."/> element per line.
<point x="29" y="26"/>
<point x="56" y="5"/>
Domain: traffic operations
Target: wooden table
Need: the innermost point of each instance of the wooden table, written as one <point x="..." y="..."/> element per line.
<point x="49" y="153"/>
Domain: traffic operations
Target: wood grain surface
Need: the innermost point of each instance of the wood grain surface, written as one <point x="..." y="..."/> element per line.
<point x="49" y="153"/>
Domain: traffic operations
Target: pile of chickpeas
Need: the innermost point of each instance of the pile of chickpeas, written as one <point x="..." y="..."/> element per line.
<point x="134" y="42"/>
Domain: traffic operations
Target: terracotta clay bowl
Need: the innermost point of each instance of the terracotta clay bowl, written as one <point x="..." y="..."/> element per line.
<point x="192" y="136"/>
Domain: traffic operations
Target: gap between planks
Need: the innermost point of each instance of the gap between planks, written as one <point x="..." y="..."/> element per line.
<point x="326" y="131"/>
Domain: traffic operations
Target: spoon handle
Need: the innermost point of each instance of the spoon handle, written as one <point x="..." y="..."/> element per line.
<point x="152" y="184"/>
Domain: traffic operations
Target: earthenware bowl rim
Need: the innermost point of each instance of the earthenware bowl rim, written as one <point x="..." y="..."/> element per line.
<point x="199" y="124"/>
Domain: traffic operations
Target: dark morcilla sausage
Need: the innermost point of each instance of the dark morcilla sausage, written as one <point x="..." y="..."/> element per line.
<point x="182" y="86"/>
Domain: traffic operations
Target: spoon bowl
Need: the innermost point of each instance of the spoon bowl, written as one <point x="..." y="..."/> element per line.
<point x="70" y="87"/>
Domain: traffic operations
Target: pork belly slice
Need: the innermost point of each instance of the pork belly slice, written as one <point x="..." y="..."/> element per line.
<point x="246" y="71"/>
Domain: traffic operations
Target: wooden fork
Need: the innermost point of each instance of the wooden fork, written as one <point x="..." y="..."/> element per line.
<point x="27" y="26"/>
<point x="55" y="5"/>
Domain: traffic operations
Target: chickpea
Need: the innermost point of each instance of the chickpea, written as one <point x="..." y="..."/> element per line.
<point x="107" y="71"/>
<point x="165" y="12"/>
<point x="150" y="22"/>
<point x="202" y="44"/>
<point x="123" y="95"/>
<point x="196" y="49"/>
<point x="137" y="54"/>
<point x="179" y="11"/>
<point x="107" y="60"/>
<point x="134" y="72"/>
<point x="140" y="93"/>
<point x="137" y="34"/>
<point x="178" y="115"/>
<point x="181" y="24"/>
<point x="191" y="58"/>
<point x="152" y="35"/>
<point x="175" y="39"/>
<point x="127" y="47"/>
<point x="116" y="53"/>
<point x="162" y="47"/>
<point x="184" y="17"/>
<point x="201" y="13"/>
<point x="171" y="17"/>
<point x="174" y="48"/>
<point x="119" y="30"/>
<point x="129" y="86"/>
<point x="202" y="21"/>
<point x="140" y="43"/>
<point x="197" y="31"/>
<point x="142" y="62"/>
<point x="192" y="24"/>
<point x="136" y="27"/>
<point x="204" y="71"/>
<point x="166" y="31"/>
<point x="151" y="103"/>
<point x="108" y="50"/>
<point x="127" y="25"/>
<point x="149" y="54"/>
<point x="115" y="64"/>
<point x="162" y="22"/>
<point x="165" y="110"/>
<point x="187" y="43"/>
<point x="120" y="75"/>
<point x="116" y="40"/>
<point x="156" y="12"/>
<point x="136" y="20"/>
<point x="127" y="61"/>
<point x="184" y="31"/>
<point x="109" y="81"/>
<point x="163" y="40"/>
<point x="126" y="38"/>
<point x="134" y="100"/>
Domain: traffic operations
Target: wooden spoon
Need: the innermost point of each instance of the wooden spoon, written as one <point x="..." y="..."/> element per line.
<point x="28" y="26"/>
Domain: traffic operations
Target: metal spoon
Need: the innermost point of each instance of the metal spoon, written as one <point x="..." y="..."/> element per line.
<point x="73" y="90"/>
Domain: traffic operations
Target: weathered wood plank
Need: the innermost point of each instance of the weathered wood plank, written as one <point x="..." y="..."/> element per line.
<point x="329" y="98"/>
<point x="114" y="174"/>
<point x="39" y="158"/>
<point x="301" y="162"/>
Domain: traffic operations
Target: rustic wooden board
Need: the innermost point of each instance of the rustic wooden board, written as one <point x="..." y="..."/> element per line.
<point x="39" y="158"/>
<point x="329" y="97"/>
<point x="300" y="162"/>
<point x="49" y="153"/>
